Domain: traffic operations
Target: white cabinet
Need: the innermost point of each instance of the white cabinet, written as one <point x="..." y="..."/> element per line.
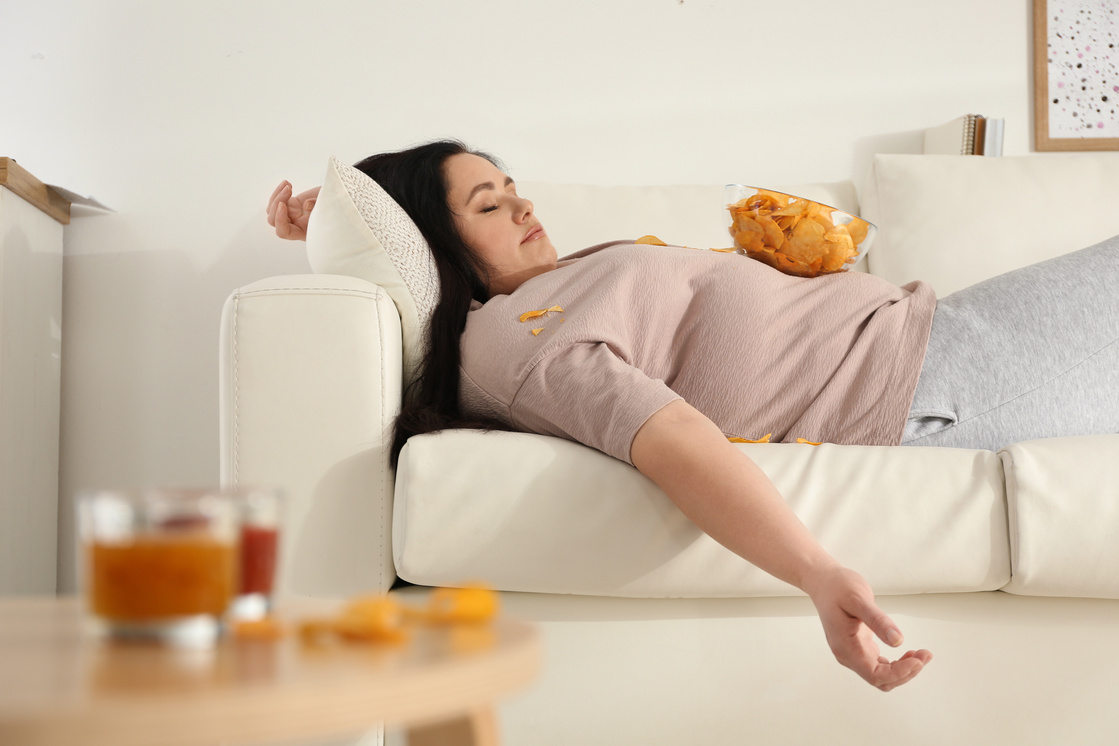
<point x="31" y="222"/>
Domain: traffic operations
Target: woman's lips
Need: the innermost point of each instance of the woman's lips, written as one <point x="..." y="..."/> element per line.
<point x="535" y="232"/>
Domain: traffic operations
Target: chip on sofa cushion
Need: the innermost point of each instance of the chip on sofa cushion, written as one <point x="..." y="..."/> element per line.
<point x="955" y="220"/>
<point x="357" y="229"/>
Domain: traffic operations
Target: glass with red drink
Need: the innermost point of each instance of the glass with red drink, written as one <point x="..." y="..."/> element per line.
<point x="261" y="511"/>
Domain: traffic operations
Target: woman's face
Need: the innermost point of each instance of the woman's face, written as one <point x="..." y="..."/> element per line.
<point x="496" y="223"/>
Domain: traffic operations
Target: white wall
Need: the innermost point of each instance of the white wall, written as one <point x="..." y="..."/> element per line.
<point x="184" y="116"/>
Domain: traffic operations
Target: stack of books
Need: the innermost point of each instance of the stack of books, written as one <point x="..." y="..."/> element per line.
<point x="971" y="134"/>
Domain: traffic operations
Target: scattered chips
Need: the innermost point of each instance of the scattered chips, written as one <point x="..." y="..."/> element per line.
<point x="765" y="439"/>
<point x="537" y="314"/>
<point x="384" y="619"/>
<point x="372" y="618"/>
<point x="794" y="235"/>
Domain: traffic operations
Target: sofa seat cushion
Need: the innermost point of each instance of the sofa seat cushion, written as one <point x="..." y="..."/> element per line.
<point x="534" y="513"/>
<point x="1063" y="502"/>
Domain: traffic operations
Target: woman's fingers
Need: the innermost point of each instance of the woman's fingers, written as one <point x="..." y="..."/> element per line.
<point x="889" y="676"/>
<point x="852" y="621"/>
<point x="280" y="194"/>
<point x="282" y="223"/>
<point x="878" y="621"/>
<point x="858" y="651"/>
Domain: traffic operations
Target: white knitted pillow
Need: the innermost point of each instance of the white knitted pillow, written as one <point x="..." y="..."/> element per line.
<point x="357" y="229"/>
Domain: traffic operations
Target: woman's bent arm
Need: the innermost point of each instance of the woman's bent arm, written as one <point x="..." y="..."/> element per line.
<point x="726" y="495"/>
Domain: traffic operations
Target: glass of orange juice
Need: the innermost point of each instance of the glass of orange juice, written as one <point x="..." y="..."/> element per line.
<point x="160" y="564"/>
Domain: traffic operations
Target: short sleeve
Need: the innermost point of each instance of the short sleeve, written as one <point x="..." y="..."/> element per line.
<point x="587" y="393"/>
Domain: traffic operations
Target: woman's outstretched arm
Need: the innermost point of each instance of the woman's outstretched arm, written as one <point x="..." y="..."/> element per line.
<point x="725" y="493"/>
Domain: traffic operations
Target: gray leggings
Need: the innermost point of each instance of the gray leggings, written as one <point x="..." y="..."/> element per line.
<point x="1033" y="353"/>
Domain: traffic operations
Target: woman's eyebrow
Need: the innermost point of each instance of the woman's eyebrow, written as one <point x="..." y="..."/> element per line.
<point x="486" y="185"/>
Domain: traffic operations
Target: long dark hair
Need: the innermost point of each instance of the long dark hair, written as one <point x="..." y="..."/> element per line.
<point x="415" y="179"/>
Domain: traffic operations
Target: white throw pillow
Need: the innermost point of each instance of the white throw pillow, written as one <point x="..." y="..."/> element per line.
<point x="955" y="220"/>
<point x="357" y="229"/>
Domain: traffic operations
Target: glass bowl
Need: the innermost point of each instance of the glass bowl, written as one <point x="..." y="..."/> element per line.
<point x="793" y="234"/>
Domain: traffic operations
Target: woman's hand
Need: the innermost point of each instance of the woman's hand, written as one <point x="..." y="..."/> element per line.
<point x="851" y="619"/>
<point x="725" y="494"/>
<point x="289" y="214"/>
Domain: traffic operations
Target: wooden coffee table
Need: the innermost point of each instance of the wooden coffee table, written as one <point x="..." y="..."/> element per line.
<point x="60" y="685"/>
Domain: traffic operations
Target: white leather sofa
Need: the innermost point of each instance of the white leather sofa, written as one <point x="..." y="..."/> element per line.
<point x="1005" y="565"/>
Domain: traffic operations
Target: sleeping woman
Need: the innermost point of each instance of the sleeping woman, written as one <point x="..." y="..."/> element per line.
<point x="658" y="355"/>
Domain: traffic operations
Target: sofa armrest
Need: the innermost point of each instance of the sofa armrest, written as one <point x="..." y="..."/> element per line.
<point x="310" y="382"/>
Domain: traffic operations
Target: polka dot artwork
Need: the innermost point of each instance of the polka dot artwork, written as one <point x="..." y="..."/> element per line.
<point x="1083" y="68"/>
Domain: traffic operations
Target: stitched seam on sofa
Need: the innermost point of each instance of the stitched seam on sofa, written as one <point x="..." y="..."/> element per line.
<point x="319" y="290"/>
<point x="1042" y="384"/>
<point x="236" y="391"/>
<point x="384" y="480"/>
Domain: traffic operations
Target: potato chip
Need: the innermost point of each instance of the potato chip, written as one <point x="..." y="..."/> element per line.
<point x="379" y="618"/>
<point x="536" y="332"/>
<point x="808" y="442"/>
<point x="536" y="314"/>
<point x="774" y="236"/>
<point x="748" y="236"/>
<point x="858" y="228"/>
<point x="764" y="439"/>
<point x="650" y="241"/>
<point x="265" y="628"/>
<point x="471" y="605"/>
<point x="316" y="631"/>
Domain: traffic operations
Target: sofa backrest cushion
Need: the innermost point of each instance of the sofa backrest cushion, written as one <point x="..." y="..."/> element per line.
<point x="358" y="230"/>
<point x="955" y="220"/>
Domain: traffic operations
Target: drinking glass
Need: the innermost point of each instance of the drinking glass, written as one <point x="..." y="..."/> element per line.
<point x="260" y="510"/>
<point x="160" y="564"/>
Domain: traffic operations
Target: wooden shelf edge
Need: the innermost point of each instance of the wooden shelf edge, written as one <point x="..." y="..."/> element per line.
<point x="16" y="178"/>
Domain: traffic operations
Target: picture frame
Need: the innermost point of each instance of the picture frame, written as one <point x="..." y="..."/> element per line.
<point x="1076" y="74"/>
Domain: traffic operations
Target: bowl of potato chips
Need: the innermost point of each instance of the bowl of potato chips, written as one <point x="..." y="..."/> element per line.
<point x="795" y="235"/>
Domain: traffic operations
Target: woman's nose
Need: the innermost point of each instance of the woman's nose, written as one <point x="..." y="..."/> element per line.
<point x="523" y="209"/>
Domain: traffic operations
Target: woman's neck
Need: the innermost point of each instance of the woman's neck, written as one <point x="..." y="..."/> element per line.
<point x="507" y="283"/>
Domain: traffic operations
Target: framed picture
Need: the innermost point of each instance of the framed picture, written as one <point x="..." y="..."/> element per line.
<point x="1076" y="74"/>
